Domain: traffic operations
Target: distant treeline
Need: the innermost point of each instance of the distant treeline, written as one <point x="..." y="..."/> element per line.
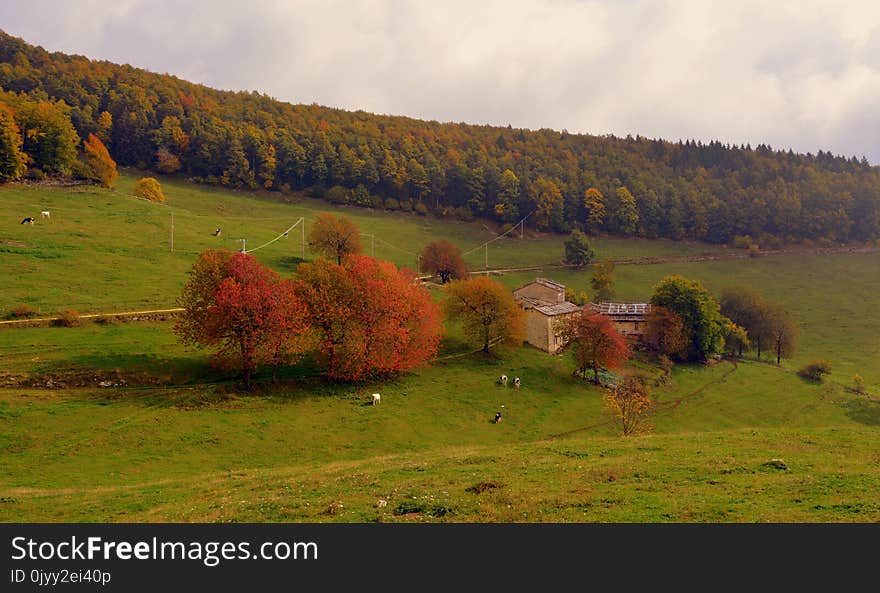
<point x="631" y="186"/>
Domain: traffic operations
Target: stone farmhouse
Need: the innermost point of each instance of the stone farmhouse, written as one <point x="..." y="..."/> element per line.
<point x="545" y="305"/>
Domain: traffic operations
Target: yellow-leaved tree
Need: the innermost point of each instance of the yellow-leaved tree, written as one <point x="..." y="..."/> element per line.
<point x="98" y="158"/>
<point x="149" y="189"/>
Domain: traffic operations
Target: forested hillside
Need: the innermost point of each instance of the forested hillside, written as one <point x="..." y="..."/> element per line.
<point x="630" y="186"/>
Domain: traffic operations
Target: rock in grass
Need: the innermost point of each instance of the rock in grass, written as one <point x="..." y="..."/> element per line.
<point x="775" y="464"/>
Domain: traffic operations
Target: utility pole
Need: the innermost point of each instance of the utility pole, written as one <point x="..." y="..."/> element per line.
<point x="486" y="254"/>
<point x="172" y="230"/>
<point x="303" y="228"/>
<point x="419" y="264"/>
<point x="243" y="241"/>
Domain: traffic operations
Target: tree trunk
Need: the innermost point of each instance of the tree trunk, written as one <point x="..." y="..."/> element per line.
<point x="246" y="375"/>
<point x="596" y="374"/>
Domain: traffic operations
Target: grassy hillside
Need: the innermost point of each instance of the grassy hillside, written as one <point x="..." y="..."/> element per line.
<point x="176" y="441"/>
<point x="106" y="250"/>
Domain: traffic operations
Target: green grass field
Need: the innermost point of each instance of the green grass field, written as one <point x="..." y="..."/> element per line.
<point x="178" y="442"/>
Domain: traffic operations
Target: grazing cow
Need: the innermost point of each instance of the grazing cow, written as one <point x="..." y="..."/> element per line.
<point x="45" y="214"/>
<point x="504" y="380"/>
<point x="497" y="417"/>
<point x="217" y="232"/>
<point x="516" y="382"/>
<point x="376" y="398"/>
<point x="28" y="220"/>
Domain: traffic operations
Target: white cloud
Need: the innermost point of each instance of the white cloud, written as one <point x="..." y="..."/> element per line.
<point x="800" y="74"/>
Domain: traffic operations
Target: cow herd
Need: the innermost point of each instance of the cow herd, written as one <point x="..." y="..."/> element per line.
<point x="32" y="220"/>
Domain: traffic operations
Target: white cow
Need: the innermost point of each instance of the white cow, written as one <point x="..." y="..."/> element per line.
<point x="516" y="382"/>
<point x="376" y="398"/>
<point x="45" y="214"/>
<point x="504" y="380"/>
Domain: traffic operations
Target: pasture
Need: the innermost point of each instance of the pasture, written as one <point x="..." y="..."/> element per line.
<point x="172" y="439"/>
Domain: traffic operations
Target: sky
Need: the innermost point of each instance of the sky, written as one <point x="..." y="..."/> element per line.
<point x="803" y="75"/>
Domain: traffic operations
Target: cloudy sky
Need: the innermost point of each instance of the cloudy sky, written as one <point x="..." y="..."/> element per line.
<point x="801" y="74"/>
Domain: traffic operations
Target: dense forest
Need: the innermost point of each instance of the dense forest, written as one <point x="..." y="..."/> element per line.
<point x="52" y="102"/>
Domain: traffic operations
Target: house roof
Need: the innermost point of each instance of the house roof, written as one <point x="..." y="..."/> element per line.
<point x="545" y="282"/>
<point x="562" y="308"/>
<point x="622" y="310"/>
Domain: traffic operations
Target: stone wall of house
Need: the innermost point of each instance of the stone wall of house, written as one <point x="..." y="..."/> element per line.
<point x="538" y="330"/>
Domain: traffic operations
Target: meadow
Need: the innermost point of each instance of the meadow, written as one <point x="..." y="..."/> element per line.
<point x="175" y="440"/>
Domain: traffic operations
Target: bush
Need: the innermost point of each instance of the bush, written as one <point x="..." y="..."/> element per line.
<point x="149" y="188"/>
<point x="421" y="209"/>
<point x="22" y="312"/>
<point x="859" y="384"/>
<point x="768" y="241"/>
<point x="392" y="204"/>
<point x="35" y="174"/>
<point x="104" y="320"/>
<point x="68" y="318"/>
<point x="406" y="205"/>
<point x="337" y="195"/>
<point x="754" y="250"/>
<point x="464" y="213"/>
<point x="815" y="370"/>
<point x="742" y="241"/>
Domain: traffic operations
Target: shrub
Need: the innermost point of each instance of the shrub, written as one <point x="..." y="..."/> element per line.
<point x="337" y="195"/>
<point x="421" y="209"/>
<point x="35" y="174"/>
<point x="753" y="250"/>
<point x="464" y="213"/>
<point x="815" y="370"/>
<point x="22" y="312"/>
<point x="768" y="241"/>
<point x="104" y="320"/>
<point x="859" y="384"/>
<point x="392" y="204"/>
<point x="149" y="188"/>
<point x="406" y="205"/>
<point x="68" y="318"/>
<point x="742" y="241"/>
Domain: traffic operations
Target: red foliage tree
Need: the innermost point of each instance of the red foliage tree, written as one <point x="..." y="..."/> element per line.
<point x="371" y="319"/>
<point x="241" y="308"/>
<point x="444" y="259"/>
<point x="596" y="343"/>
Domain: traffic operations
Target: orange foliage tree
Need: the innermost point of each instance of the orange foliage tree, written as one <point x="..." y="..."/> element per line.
<point x="664" y="332"/>
<point x="595" y="341"/>
<point x="486" y="310"/>
<point x="98" y="158"/>
<point x="334" y="237"/>
<point x="630" y="403"/>
<point x="370" y="319"/>
<point x="444" y="259"/>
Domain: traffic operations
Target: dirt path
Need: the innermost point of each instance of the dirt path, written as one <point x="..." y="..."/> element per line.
<point x="661" y="407"/>
<point x="48" y="320"/>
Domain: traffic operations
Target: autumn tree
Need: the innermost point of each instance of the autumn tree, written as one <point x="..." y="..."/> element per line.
<point x="13" y="161"/>
<point x="594" y="205"/>
<point x="578" y="251"/>
<point x="624" y="217"/>
<point x="150" y="189"/>
<point x="664" y="332"/>
<point x="50" y="139"/>
<point x="631" y="405"/>
<point x="486" y="310"/>
<point x="238" y="307"/>
<point x="783" y="332"/>
<point x="369" y="318"/>
<point x="443" y="259"/>
<point x="595" y="342"/>
<point x="289" y="334"/>
<point x="102" y="166"/>
<point x="699" y="312"/>
<point x="547" y="200"/>
<point x="334" y="237"/>
<point x="736" y="339"/>
<point x="602" y="281"/>
<point x="751" y="312"/>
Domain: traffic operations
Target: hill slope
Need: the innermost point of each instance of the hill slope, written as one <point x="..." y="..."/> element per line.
<point x="649" y="188"/>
